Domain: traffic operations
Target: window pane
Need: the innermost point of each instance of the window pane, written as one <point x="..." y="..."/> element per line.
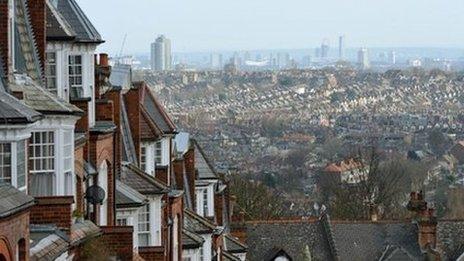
<point x="5" y="162"/>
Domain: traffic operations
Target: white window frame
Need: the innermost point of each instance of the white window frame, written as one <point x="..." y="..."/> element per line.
<point x="73" y="76"/>
<point x="158" y="153"/>
<point x="51" y="72"/>
<point x="143" y="157"/>
<point x="205" y="205"/>
<point x="143" y="218"/>
<point x="6" y="164"/>
<point x="48" y="159"/>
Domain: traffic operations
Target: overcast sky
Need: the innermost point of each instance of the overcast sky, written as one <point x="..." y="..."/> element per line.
<point x="211" y="25"/>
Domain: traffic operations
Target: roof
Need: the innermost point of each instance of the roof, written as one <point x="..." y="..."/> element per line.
<point x="129" y="153"/>
<point x="229" y="257"/>
<point x="41" y="100"/>
<point x="449" y="238"/>
<point x="191" y="240"/>
<point x="292" y="237"/>
<point x="197" y="223"/>
<point x="368" y="240"/>
<point x="145" y="184"/>
<point x="103" y="127"/>
<point x="12" y="200"/>
<point x="128" y="197"/>
<point x="157" y="113"/>
<point x="83" y="231"/>
<point x="57" y="27"/>
<point x="47" y="242"/>
<point x="233" y="245"/>
<point x="13" y="111"/>
<point x="78" y="21"/>
<point x="343" y="166"/>
<point x="204" y="168"/>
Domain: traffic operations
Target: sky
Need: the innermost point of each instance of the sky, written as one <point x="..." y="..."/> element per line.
<point x="224" y="25"/>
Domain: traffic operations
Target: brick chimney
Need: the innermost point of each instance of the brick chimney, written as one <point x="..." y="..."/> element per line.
<point x="189" y="162"/>
<point x="102" y="73"/>
<point x="4" y="50"/>
<point x="426" y="220"/>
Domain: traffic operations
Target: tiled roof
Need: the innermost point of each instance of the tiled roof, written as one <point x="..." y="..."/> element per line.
<point x="47" y="243"/>
<point x="450" y="239"/>
<point x="157" y="113"/>
<point x="57" y="27"/>
<point x="191" y="240"/>
<point x="197" y="224"/>
<point x="229" y="256"/>
<point x="343" y="166"/>
<point x="83" y="231"/>
<point x="13" y="111"/>
<point x="127" y="196"/>
<point x="205" y="169"/>
<point x="13" y="200"/>
<point x="145" y="184"/>
<point x="41" y="100"/>
<point x="232" y="245"/>
<point x="292" y="237"/>
<point x="78" y="21"/>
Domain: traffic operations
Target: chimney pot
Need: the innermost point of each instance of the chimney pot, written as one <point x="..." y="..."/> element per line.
<point x="104" y="59"/>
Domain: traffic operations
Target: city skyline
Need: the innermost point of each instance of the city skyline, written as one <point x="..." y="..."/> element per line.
<point x="209" y="26"/>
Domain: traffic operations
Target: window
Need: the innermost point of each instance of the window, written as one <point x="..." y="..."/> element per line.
<point x="202" y="255"/>
<point x="21" y="164"/>
<point x="5" y="162"/>
<point x="75" y="76"/>
<point x="42" y="162"/>
<point x="144" y="226"/>
<point x="68" y="150"/>
<point x="68" y="184"/>
<point x="205" y="202"/>
<point x="158" y="153"/>
<point x="121" y="222"/>
<point x="50" y="72"/>
<point x="143" y="158"/>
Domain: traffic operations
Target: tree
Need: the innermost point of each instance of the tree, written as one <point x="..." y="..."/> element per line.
<point x="256" y="200"/>
<point x="437" y="142"/>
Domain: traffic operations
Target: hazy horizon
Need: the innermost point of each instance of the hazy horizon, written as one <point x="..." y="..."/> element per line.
<point x="208" y="25"/>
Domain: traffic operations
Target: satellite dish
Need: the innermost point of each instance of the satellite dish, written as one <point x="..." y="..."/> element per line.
<point x="95" y="194"/>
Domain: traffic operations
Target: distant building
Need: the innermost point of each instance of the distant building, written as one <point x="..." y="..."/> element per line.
<point x="216" y="61"/>
<point x="325" y="48"/>
<point x="392" y="57"/>
<point x="341" y="47"/>
<point x="363" y="59"/>
<point x="161" y="59"/>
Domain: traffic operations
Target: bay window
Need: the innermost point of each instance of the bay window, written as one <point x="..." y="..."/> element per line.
<point x="143" y="158"/>
<point x="205" y="202"/>
<point x="75" y="76"/>
<point x="5" y="163"/>
<point x="144" y="226"/>
<point x="21" y="164"/>
<point x="68" y="162"/>
<point x="42" y="162"/>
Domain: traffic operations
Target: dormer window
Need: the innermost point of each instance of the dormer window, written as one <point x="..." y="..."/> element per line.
<point x="75" y="76"/>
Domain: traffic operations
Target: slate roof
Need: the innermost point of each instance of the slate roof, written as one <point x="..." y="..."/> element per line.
<point x="233" y="245"/>
<point x="145" y="184"/>
<point x="450" y="238"/>
<point x="129" y="153"/>
<point x="13" y="200"/>
<point x="292" y="237"/>
<point x="197" y="223"/>
<point x="229" y="257"/>
<point x="128" y="197"/>
<point x="12" y="111"/>
<point x="157" y="113"/>
<point x="78" y="21"/>
<point x="368" y="240"/>
<point x="83" y="231"/>
<point x="191" y="240"/>
<point x="57" y="28"/>
<point x="41" y="100"/>
<point x="47" y="243"/>
<point x="204" y="168"/>
<point x="103" y="127"/>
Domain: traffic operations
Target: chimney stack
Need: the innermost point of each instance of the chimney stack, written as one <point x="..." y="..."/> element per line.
<point x="426" y="221"/>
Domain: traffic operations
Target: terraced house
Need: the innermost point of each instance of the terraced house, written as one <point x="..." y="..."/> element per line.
<point x="87" y="165"/>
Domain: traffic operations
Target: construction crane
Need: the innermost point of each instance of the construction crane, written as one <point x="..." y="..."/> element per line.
<point x="122" y="46"/>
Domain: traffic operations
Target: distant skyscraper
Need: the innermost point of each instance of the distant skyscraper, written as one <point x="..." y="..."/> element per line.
<point x="325" y="49"/>
<point x="363" y="59"/>
<point x="161" y="59"/>
<point x="392" y="57"/>
<point x="341" y="47"/>
<point x="216" y="61"/>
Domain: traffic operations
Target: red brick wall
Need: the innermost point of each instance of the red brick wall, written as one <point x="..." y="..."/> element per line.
<point x="37" y="16"/>
<point x="101" y="150"/>
<point x="119" y="241"/>
<point x="82" y="124"/>
<point x="161" y="173"/>
<point x="153" y="253"/>
<point x="79" y="172"/>
<point x="105" y="111"/>
<point x="176" y="207"/>
<point x="178" y="170"/>
<point x="53" y="210"/>
<point x="15" y="228"/>
<point x="218" y="208"/>
<point x="116" y="98"/>
<point x="4" y="35"/>
<point x="132" y="100"/>
<point x="189" y="161"/>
